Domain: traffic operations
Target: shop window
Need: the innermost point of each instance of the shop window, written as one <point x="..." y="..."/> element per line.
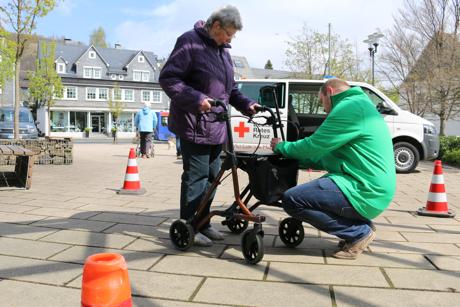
<point x="77" y="121"/>
<point x="59" y="121"/>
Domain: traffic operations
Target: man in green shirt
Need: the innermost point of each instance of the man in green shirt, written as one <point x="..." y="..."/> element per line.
<point x="354" y="145"/>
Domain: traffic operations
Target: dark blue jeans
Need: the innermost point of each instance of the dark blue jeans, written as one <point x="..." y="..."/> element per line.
<point x="321" y="204"/>
<point x="201" y="164"/>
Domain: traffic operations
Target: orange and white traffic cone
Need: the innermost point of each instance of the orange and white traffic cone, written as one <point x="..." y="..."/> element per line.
<point x="436" y="204"/>
<point x="132" y="184"/>
<point x="105" y="282"/>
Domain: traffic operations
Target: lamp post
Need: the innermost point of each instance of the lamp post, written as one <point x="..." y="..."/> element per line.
<point x="373" y="42"/>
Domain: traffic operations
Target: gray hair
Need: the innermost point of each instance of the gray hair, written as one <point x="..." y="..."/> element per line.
<point x="227" y="16"/>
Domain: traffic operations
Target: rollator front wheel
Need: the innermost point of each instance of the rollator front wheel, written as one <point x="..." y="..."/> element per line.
<point x="252" y="245"/>
<point x="291" y="232"/>
<point x="181" y="234"/>
<point x="236" y="225"/>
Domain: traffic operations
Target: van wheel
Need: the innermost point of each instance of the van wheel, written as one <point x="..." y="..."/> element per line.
<point x="406" y="157"/>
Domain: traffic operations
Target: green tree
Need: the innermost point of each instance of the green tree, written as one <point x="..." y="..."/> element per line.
<point x="21" y="18"/>
<point x="310" y="57"/>
<point x="97" y="38"/>
<point x="268" y="65"/>
<point x="45" y="84"/>
<point x="7" y="52"/>
<point x="116" y="108"/>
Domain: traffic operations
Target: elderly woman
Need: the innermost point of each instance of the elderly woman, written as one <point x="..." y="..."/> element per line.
<point x="199" y="69"/>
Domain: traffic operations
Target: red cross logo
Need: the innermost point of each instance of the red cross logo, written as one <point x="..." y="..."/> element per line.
<point x="241" y="129"/>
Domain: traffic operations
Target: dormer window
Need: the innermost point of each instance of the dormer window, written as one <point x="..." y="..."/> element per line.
<point x="113" y="76"/>
<point x="141" y="59"/>
<point x="120" y="77"/>
<point x="92" y="54"/>
<point x="60" y="68"/>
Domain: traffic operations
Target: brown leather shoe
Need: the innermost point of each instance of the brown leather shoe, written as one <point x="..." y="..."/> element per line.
<point x="352" y="251"/>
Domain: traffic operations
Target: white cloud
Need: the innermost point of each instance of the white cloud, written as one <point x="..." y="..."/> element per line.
<point x="65" y="7"/>
<point x="268" y="24"/>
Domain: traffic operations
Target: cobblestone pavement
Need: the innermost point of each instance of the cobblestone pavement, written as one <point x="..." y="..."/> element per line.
<point x="73" y="211"/>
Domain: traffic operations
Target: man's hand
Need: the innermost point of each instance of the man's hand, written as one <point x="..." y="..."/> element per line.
<point x="204" y="105"/>
<point x="274" y="142"/>
<point x="253" y="108"/>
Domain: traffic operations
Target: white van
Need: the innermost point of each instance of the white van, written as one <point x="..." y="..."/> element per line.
<point x="414" y="138"/>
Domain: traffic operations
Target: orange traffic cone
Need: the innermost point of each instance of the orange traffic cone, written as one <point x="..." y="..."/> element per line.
<point x="105" y="282"/>
<point x="132" y="184"/>
<point x="436" y="204"/>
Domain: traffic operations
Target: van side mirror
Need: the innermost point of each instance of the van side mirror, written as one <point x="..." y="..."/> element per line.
<point x="385" y="110"/>
<point x="267" y="96"/>
<point x="37" y="122"/>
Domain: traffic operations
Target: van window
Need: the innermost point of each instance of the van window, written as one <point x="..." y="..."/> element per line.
<point x="8" y="116"/>
<point x="305" y="99"/>
<point x="252" y="90"/>
<point x="373" y="97"/>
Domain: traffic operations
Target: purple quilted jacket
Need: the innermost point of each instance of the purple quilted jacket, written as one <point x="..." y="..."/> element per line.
<point x="198" y="68"/>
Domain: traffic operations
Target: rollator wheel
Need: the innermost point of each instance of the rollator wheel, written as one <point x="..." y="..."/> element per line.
<point x="236" y="225"/>
<point x="252" y="246"/>
<point x="181" y="234"/>
<point x="291" y="232"/>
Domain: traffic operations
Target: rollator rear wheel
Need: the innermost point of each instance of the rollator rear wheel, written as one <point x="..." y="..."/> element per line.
<point x="291" y="232"/>
<point x="236" y="225"/>
<point x="252" y="245"/>
<point x="181" y="234"/>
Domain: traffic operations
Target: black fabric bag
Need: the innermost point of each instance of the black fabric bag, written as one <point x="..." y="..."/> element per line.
<point x="269" y="177"/>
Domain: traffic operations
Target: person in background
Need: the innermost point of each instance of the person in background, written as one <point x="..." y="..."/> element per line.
<point x="198" y="71"/>
<point x="145" y="122"/>
<point x="354" y="145"/>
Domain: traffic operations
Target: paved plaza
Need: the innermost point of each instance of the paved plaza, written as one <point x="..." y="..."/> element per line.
<point x="73" y="211"/>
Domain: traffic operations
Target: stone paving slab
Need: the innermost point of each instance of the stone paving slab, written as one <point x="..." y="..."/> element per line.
<point x="199" y="266"/>
<point x="41" y="271"/>
<point x="450" y="263"/>
<point x="415" y="248"/>
<point x="244" y="293"/>
<point x="128" y="219"/>
<point x="62" y="213"/>
<point x="385" y="260"/>
<point x="73" y="224"/>
<point x="19" y="218"/>
<point x="26" y="294"/>
<point x="354" y="297"/>
<point x="326" y="274"/>
<point x="158" y="285"/>
<point x="24" y="231"/>
<point x="140" y="230"/>
<point x="156" y="245"/>
<point x="89" y="238"/>
<point x="60" y="204"/>
<point x="135" y="260"/>
<point x="28" y="248"/>
<point x="425" y="279"/>
<point x="15" y="208"/>
<point x="280" y="254"/>
<point x="432" y="237"/>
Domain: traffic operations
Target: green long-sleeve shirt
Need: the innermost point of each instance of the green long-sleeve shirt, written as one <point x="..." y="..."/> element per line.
<point x="354" y="145"/>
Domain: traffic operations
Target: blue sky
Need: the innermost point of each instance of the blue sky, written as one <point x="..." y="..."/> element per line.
<point x="154" y="25"/>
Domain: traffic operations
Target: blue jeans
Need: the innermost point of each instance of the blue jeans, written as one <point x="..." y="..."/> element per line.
<point x="322" y="204"/>
<point x="201" y="164"/>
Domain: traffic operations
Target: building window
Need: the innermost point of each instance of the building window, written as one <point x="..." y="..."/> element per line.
<point x="156" y="96"/>
<point x="137" y="75"/>
<point x="145" y="96"/>
<point x="60" y="68"/>
<point x="145" y="76"/>
<point x="90" y="93"/>
<point x="92" y="54"/>
<point x="238" y="63"/>
<point x="103" y="94"/>
<point x="141" y="59"/>
<point x="59" y="121"/>
<point x="117" y="94"/>
<point x="120" y="77"/>
<point x="113" y="76"/>
<point x="129" y="95"/>
<point x="125" y="122"/>
<point x="70" y="92"/>
<point x="77" y="121"/>
<point x="92" y="72"/>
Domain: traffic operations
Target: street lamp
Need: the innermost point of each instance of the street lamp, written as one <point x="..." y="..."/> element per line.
<point x="373" y="41"/>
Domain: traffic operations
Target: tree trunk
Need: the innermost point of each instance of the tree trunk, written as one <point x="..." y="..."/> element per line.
<point x="442" y="125"/>
<point x="17" y="69"/>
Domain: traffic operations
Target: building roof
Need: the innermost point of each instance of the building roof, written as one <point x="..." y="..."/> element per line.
<point x="116" y="58"/>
